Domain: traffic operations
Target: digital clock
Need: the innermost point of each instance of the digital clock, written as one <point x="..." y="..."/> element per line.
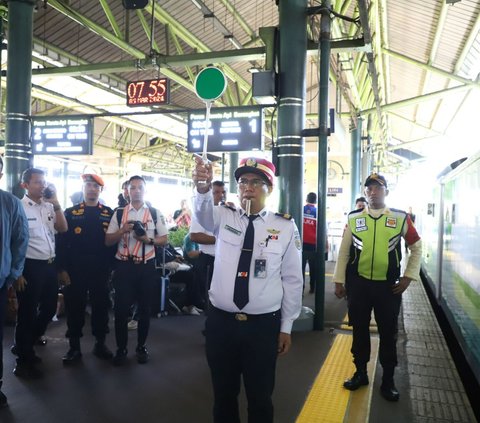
<point x="148" y="93"/>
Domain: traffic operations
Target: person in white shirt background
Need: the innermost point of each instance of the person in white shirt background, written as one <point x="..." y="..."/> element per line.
<point x="37" y="289"/>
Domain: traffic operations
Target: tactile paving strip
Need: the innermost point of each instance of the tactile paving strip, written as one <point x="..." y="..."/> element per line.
<point x="328" y="401"/>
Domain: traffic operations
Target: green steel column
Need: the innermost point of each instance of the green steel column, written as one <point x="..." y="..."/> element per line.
<point x="323" y="108"/>
<point x="291" y="109"/>
<point x="19" y="80"/>
<point x="232" y="186"/>
<point x="356" y="161"/>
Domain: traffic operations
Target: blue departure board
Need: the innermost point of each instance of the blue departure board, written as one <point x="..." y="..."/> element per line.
<point x="230" y="130"/>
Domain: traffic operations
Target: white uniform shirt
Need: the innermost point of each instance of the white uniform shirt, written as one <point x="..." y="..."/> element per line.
<point x="195" y="227"/>
<point x="282" y="287"/>
<point x="128" y="246"/>
<point x="41" y="220"/>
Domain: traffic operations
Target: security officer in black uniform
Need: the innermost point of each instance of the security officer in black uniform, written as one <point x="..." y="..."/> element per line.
<point x="85" y="262"/>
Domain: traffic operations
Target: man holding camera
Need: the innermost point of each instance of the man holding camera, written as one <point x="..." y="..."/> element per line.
<point x="37" y="288"/>
<point x="136" y="229"/>
<point x="85" y="263"/>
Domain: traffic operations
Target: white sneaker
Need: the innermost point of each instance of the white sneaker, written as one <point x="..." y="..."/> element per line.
<point x="132" y="325"/>
<point x="192" y="310"/>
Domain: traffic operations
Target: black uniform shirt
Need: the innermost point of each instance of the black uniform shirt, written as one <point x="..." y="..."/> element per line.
<point x="86" y="235"/>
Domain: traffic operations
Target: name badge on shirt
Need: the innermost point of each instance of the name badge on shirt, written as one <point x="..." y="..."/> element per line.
<point x="360" y="224"/>
<point x="260" y="269"/>
<point x="233" y="230"/>
<point x="391" y="222"/>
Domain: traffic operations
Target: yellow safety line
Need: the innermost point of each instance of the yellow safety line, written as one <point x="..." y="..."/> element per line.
<point x="360" y="400"/>
<point x="328" y="401"/>
<point x="373" y="324"/>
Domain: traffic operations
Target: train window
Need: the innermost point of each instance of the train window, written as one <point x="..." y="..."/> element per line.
<point x="431" y="209"/>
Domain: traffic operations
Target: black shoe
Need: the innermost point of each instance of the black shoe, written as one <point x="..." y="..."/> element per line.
<point x="120" y="357"/>
<point x="71" y="357"/>
<point x="312" y="291"/>
<point x="389" y="391"/>
<point x="3" y="400"/>
<point x="27" y="371"/>
<point x="357" y="380"/>
<point x="41" y="341"/>
<point x="101" y="351"/>
<point x="142" y="354"/>
<point x="35" y="359"/>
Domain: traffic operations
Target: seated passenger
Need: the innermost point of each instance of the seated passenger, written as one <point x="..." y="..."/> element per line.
<point x="181" y="272"/>
<point x="191" y="250"/>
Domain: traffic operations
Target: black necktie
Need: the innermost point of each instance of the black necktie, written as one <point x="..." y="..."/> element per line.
<point x="240" y="294"/>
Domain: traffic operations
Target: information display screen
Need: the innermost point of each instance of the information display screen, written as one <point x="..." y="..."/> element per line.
<point x="148" y="93"/>
<point x="62" y="135"/>
<point x="230" y="130"/>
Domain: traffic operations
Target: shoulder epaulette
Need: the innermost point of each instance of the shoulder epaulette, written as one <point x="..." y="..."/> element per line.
<point x="359" y="211"/>
<point x="107" y="209"/>
<point x="229" y="207"/>
<point x="397" y="210"/>
<point x="284" y="215"/>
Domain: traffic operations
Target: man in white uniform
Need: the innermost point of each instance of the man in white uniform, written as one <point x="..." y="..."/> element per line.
<point x="256" y="290"/>
<point x="37" y="289"/>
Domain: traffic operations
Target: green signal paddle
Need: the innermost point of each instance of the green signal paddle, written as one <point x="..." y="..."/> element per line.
<point x="210" y="84"/>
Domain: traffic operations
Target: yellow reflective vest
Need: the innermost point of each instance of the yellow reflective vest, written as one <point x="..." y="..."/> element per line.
<point x="376" y="253"/>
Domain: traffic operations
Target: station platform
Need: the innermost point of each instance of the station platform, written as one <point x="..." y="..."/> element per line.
<point x="174" y="386"/>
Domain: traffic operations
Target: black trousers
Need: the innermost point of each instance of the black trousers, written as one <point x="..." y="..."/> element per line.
<point x="89" y="281"/>
<point x="203" y="273"/>
<point x="364" y="295"/>
<point x="3" y="305"/>
<point x="312" y="258"/>
<point x="133" y="283"/>
<point x="242" y="348"/>
<point x="189" y="278"/>
<point x="37" y="304"/>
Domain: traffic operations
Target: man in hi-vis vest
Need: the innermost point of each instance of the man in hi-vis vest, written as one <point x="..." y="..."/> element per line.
<point x="368" y="273"/>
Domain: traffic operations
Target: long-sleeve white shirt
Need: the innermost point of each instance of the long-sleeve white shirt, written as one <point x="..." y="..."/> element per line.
<point x="276" y="240"/>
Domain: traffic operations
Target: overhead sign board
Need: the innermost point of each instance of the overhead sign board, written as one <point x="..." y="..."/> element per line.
<point x="62" y="135"/>
<point x="150" y="92"/>
<point x="229" y="129"/>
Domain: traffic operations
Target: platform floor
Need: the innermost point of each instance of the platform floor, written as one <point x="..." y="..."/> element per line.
<point x="174" y="387"/>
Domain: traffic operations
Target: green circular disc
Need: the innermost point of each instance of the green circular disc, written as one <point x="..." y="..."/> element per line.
<point x="210" y="84"/>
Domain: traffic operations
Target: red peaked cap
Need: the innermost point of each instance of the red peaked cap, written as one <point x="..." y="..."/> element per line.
<point x="90" y="177"/>
<point x="261" y="167"/>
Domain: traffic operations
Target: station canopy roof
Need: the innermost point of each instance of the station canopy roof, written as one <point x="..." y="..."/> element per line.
<point x="413" y="81"/>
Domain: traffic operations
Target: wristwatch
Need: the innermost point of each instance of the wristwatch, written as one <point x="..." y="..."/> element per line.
<point x="152" y="242"/>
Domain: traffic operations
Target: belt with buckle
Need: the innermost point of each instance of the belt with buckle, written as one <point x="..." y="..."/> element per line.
<point x="243" y="317"/>
<point x="47" y="261"/>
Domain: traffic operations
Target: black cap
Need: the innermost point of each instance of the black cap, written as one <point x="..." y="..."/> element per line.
<point x="376" y="178"/>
